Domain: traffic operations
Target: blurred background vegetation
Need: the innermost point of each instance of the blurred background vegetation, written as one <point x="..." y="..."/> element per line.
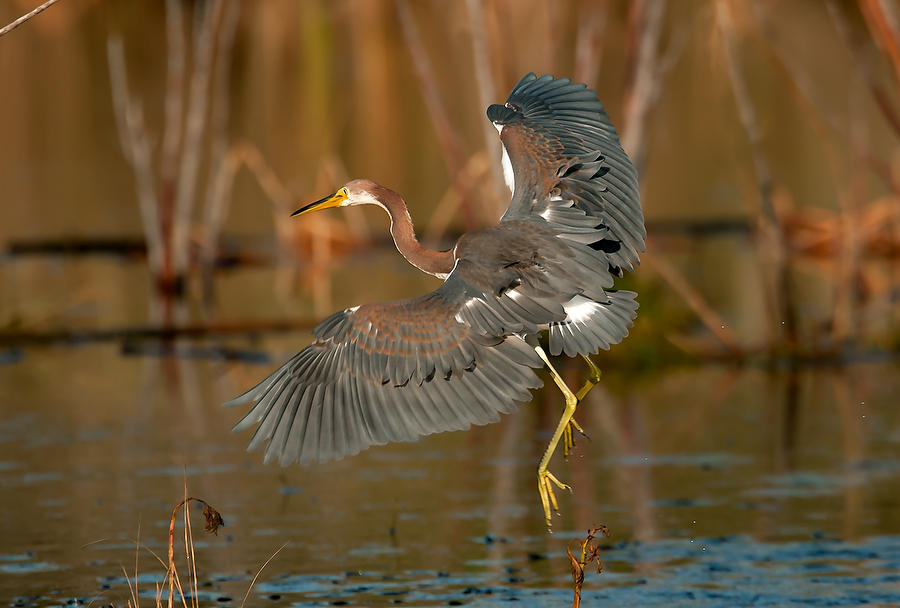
<point x="153" y="152"/>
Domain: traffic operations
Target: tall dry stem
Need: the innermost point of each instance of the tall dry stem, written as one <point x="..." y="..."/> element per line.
<point x="207" y="16"/>
<point x="697" y="303"/>
<point x="218" y="184"/>
<point x="451" y="148"/>
<point x="861" y="61"/>
<point x="173" y="117"/>
<point x="174" y="102"/>
<point x="213" y="521"/>
<point x="590" y="553"/>
<point x="17" y="22"/>
<point x="486" y="96"/>
<point x="774" y="239"/>
<point x="805" y="89"/>
<point x="647" y="21"/>
<point x="135" y="144"/>
<point x="448" y="205"/>
<point x="882" y="19"/>
<point x="845" y="324"/>
<point x="589" y="39"/>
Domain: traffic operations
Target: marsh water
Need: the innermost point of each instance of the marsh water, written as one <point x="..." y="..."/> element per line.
<point x="721" y="485"/>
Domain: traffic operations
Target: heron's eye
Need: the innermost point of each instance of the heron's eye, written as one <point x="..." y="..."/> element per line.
<point x="345" y="192"/>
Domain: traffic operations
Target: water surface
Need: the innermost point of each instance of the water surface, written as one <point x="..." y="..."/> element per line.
<point x="721" y="486"/>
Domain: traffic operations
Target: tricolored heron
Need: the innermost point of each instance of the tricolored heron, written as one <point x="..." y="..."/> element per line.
<point x="465" y="353"/>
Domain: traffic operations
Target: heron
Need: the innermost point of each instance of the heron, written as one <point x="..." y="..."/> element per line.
<point x="537" y="284"/>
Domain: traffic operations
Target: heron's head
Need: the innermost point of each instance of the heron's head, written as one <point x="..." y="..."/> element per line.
<point x="357" y="192"/>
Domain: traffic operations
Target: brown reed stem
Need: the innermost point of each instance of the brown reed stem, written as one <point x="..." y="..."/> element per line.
<point x="136" y="148"/>
<point x="846" y="322"/>
<point x="589" y="39"/>
<point x="222" y="174"/>
<point x="878" y="30"/>
<point x="782" y="290"/>
<point x="447" y="139"/>
<point x="476" y="167"/>
<point x="197" y="106"/>
<point x="881" y="20"/>
<point x="213" y="523"/>
<point x="590" y="553"/>
<point x="173" y="113"/>
<point x="804" y="88"/>
<point x="11" y="26"/>
<point x="848" y="250"/>
<point x="486" y="96"/>
<point x="642" y="92"/>
<point x="862" y="65"/>
<point x="220" y="106"/>
<point x="695" y="302"/>
<point x="219" y="197"/>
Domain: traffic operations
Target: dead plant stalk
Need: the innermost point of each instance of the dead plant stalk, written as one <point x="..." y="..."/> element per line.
<point x="213" y="522"/>
<point x="11" y="26"/>
<point x="590" y="553"/>
<point x="447" y="138"/>
<point x="773" y="232"/>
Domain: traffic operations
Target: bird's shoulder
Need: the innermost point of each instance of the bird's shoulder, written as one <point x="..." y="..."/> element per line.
<point x="525" y="253"/>
<point x="507" y="243"/>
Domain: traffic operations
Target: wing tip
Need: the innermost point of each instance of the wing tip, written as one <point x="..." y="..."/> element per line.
<point x="240" y="399"/>
<point x="531" y="83"/>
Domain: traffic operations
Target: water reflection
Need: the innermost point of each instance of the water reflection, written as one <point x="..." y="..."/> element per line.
<point x="696" y="471"/>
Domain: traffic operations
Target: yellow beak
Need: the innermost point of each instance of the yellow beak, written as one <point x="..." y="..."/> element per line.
<point x="334" y="200"/>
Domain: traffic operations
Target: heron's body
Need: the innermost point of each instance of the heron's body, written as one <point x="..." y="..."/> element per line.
<point x="466" y="352"/>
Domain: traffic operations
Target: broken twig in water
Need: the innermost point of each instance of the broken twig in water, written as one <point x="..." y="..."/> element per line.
<point x="590" y="553"/>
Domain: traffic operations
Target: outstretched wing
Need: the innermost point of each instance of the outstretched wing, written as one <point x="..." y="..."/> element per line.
<point x="563" y="162"/>
<point x="396" y="371"/>
<point x="444" y="361"/>
<point x="457" y="356"/>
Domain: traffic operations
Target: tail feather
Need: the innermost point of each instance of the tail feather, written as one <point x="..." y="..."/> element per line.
<point x="593" y="325"/>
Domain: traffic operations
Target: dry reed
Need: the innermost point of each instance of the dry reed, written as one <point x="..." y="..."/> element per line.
<point x="17" y="22"/>
<point x="655" y="36"/>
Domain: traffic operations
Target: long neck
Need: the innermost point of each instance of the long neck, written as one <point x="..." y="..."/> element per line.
<point x="438" y="263"/>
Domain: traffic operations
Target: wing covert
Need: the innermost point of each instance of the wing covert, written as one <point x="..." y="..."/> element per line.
<point x="388" y="372"/>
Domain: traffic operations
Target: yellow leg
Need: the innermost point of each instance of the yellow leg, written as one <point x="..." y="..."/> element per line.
<point x="546" y="480"/>
<point x="569" y="436"/>
<point x="592" y="380"/>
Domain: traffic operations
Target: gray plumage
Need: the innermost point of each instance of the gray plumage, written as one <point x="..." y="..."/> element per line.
<point x="458" y="356"/>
